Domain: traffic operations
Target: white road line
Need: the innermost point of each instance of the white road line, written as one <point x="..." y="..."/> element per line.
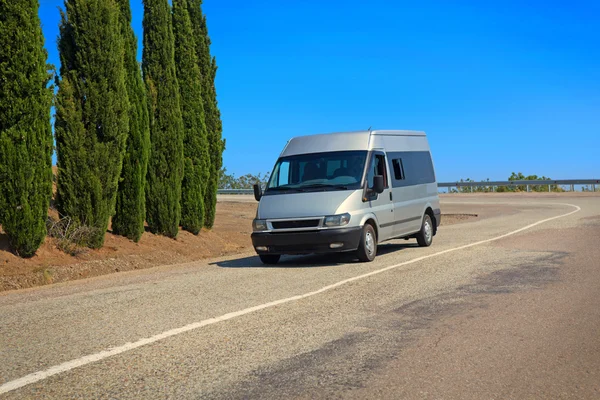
<point x="79" y="362"/>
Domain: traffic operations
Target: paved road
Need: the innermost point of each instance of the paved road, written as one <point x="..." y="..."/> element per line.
<point x="515" y="316"/>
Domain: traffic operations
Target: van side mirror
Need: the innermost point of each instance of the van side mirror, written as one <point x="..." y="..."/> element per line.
<point x="378" y="184"/>
<point x="257" y="191"/>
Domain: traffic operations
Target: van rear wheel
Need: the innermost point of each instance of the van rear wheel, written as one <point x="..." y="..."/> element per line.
<point x="425" y="235"/>
<point x="367" y="249"/>
<point x="269" y="258"/>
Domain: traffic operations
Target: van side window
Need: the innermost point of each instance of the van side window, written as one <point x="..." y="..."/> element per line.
<point x="284" y="174"/>
<point x="377" y="167"/>
<point x="281" y="174"/>
<point x="415" y="167"/>
<point x="398" y="169"/>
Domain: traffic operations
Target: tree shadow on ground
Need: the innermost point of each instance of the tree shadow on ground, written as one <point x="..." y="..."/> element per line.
<point x="311" y="260"/>
<point x="4" y="243"/>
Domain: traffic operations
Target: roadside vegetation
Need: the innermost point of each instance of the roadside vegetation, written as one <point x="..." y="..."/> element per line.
<point x="165" y="171"/>
<point x="230" y="181"/>
<point x="195" y="140"/>
<point x="134" y="146"/>
<point x="92" y="119"/>
<point x="25" y="130"/>
<point x="513" y="188"/>
<point x="130" y="210"/>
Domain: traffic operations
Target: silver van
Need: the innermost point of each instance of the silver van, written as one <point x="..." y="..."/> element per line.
<point x="342" y="192"/>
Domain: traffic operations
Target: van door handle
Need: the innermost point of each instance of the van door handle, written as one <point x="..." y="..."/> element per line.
<point x="391" y="197"/>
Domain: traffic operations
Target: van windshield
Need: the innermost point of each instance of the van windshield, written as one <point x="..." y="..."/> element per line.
<point x="341" y="170"/>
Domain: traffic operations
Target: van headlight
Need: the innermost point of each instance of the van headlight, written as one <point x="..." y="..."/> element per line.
<point x="259" y="225"/>
<point x="337" y="220"/>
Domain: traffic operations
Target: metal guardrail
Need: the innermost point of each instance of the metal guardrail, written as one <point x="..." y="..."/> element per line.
<point x="521" y="183"/>
<point x="490" y="184"/>
<point x="526" y="183"/>
<point x="235" y="191"/>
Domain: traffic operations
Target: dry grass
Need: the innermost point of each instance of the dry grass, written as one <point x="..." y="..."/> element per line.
<point x="71" y="237"/>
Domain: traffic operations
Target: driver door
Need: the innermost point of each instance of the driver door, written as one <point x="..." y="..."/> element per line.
<point x="381" y="204"/>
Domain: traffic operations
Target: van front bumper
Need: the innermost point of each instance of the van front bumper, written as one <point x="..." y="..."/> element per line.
<point x="307" y="242"/>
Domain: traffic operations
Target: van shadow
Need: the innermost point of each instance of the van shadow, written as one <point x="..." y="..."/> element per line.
<point x="312" y="260"/>
<point x="301" y="261"/>
<point x="392" y="247"/>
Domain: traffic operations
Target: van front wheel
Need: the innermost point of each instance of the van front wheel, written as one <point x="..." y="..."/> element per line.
<point x="367" y="250"/>
<point x="425" y="235"/>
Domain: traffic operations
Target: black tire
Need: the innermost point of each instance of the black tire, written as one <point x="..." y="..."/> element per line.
<point x="269" y="258"/>
<point x="425" y="235"/>
<point x="367" y="249"/>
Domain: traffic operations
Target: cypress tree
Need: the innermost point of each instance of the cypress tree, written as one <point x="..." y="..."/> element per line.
<point x="165" y="168"/>
<point x="216" y="148"/>
<point x="130" y="212"/>
<point x="216" y="144"/>
<point x="91" y="113"/>
<point x="195" y="140"/>
<point x="25" y="133"/>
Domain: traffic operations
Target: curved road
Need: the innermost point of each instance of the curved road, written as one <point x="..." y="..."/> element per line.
<point x="502" y="306"/>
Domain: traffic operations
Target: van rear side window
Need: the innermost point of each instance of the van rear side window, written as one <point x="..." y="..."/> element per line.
<point x="415" y="167"/>
<point x="398" y="169"/>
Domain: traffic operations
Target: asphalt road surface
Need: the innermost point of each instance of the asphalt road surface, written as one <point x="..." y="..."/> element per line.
<point x="503" y="306"/>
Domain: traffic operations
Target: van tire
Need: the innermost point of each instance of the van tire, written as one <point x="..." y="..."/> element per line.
<point x="367" y="249"/>
<point x="425" y="235"/>
<point x="269" y="259"/>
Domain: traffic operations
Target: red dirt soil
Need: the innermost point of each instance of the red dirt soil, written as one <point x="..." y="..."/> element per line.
<point x="231" y="234"/>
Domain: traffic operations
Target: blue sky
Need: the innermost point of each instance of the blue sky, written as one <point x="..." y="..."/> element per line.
<point x="498" y="88"/>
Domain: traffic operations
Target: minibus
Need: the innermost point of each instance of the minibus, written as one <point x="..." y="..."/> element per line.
<point x="347" y="192"/>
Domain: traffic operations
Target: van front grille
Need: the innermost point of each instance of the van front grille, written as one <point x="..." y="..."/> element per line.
<point x="305" y="223"/>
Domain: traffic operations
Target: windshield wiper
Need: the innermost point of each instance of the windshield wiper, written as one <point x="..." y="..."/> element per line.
<point x="324" y="185"/>
<point x="284" y="188"/>
<point x="304" y="187"/>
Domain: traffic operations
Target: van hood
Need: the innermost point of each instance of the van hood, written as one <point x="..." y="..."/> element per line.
<point x="310" y="204"/>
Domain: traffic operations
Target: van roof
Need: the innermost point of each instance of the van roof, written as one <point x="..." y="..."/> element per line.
<point x="340" y="141"/>
<point x="372" y="132"/>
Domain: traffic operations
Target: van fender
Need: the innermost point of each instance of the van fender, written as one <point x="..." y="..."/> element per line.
<point x="427" y="205"/>
<point x="436" y="216"/>
<point x="367" y="217"/>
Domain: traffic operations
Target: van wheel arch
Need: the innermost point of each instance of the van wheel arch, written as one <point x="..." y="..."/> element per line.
<point x="367" y="247"/>
<point x="372" y="222"/>
<point x="429" y="211"/>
